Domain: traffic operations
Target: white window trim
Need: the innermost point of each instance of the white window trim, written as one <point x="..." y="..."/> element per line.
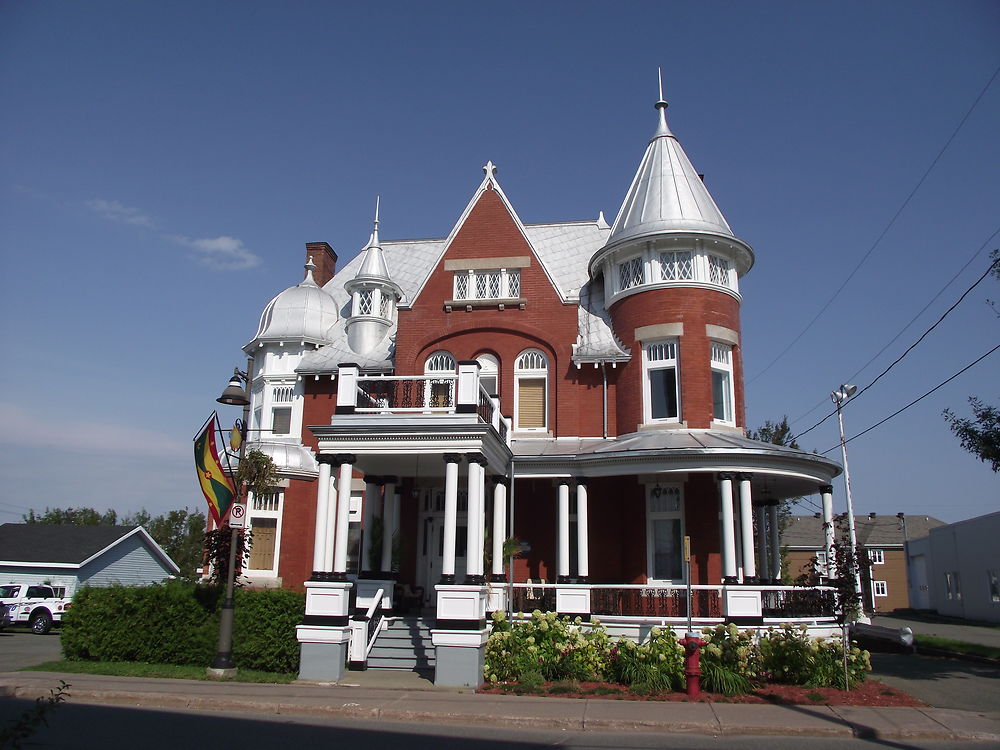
<point x="727" y="369"/>
<point x="531" y="374"/>
<point x="275" y="514"/>
<point x="876" y="556"/>
<point x="664" y="364"/>
<point x="489" y="366"/>
<point x="658" y="516"/>
<point x="880" y="588"/>
<point x="472" y="288"/>
<point x="428" y="371"/>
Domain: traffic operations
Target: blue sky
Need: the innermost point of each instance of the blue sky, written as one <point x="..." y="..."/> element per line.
<point x="163" y="164"/>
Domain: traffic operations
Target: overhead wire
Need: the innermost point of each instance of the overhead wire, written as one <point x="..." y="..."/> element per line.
<point x="912" y="346"/>
<point x="885" y="231"/>
<point x="916" y="400"/>
<point x="913" y="320"/>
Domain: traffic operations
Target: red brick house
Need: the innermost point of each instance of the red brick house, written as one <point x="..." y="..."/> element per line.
<point x="575" y="385"/>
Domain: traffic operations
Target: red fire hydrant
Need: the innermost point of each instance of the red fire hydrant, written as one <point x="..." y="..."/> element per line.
<point x="692" y="663"/>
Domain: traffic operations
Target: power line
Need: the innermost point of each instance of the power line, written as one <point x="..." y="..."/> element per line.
<point x="912" y="321"/>
<point x="916" y="400"/>
<point x="912" y="346"/>
<point x="884" y="232"/>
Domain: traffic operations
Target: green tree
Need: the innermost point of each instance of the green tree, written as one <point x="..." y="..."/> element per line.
<point x="779" y="433"/>
<point x="72" y="517"/>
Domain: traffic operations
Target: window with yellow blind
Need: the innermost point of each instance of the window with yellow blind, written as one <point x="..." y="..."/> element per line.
<point x="530" y="391"/>
<point x="265" y="532"/>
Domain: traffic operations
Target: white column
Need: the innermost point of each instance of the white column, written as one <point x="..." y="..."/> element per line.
<point x="450" y="515"/>
<point x="388" y="523"/>
<point x="562" y="568"/>
<point x="582" y="534"/>
<point x="746" y="525"/>
<point x="475" y="520"/>
<point x="826" y="493"/>
<point x="320" y="561"/>
<point x="762" y="543"/>
<point x="775" y="541"/>
<point x="343" y="512"/>
<point x="373" y="496"/>
<point x="728" y="528"/>
<point x="499" y="528"/>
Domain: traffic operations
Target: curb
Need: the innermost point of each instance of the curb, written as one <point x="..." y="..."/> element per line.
<point x="838" y="725"/>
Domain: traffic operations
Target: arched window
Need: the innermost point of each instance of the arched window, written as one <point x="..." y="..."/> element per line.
<point x="489" y="373"/>
<point x="531" y="390"/>
<point x="440" y="393"/>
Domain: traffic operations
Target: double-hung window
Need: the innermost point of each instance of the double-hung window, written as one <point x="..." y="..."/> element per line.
<point x="880" y="588"/>
<point x="664" y="533"/>
<point x="722" y="383"/>
<point x="876" y="557"/>
<point x="661" y="386"/>
<point x="530" y="390"/>
<point x="281" y="415"/>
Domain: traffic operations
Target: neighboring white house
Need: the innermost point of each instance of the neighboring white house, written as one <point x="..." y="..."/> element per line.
<point x="955" y="569"/>
<point x="74" y="556"/>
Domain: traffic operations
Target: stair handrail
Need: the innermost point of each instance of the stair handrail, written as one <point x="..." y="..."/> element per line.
<point x="373" y="619"/>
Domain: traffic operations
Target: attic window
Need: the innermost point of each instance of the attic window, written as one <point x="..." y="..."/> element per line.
<point x="493" y="283"/>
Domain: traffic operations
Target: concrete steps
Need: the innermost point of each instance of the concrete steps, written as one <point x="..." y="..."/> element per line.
<point x="404" y="645"/>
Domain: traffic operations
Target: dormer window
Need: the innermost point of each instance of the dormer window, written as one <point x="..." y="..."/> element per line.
<point x="493" y="283"/>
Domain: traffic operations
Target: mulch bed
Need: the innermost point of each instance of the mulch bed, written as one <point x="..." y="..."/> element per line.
<point x="870" y="693"/>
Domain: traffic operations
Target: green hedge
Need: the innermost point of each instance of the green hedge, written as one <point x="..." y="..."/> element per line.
<point x="178" y="623"/>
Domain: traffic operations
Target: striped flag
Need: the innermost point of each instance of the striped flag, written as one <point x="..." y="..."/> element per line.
<point x="215" y="484"/>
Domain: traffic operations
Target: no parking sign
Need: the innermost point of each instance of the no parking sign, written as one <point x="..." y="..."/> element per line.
<point x="238" y="516"/>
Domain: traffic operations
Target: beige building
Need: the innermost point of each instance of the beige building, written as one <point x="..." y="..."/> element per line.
<point x="884" y="580"/>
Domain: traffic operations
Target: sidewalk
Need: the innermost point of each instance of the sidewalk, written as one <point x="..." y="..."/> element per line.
<point x="369" y="696"/>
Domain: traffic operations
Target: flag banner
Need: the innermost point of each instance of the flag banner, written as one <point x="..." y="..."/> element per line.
<point x="216" y="486"/>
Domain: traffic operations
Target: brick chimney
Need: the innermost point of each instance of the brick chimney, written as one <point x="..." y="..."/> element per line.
<point x="325" y="259"/>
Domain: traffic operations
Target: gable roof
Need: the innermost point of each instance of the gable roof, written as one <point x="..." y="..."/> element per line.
<point x="872" y="531"/>
<point x="41" y="545"/>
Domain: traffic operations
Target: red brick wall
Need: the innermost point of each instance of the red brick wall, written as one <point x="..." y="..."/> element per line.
<point x="694" y="308"/>
<point x="575" y="396"/>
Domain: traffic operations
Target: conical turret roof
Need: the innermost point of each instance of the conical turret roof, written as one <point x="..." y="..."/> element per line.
<point x="373" y="267"/>
<point x="666" y="194"/>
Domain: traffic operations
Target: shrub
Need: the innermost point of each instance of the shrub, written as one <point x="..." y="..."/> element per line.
<point x="655" y="665"/>
<point x="178" y="623"/>
<point x="789" y="656"/>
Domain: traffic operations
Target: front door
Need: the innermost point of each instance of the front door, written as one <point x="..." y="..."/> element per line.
<point x="431" y="544"/>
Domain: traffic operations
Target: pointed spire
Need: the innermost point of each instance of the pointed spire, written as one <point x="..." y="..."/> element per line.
<point x="373" y="242"/>
<point x="661" y="104"/>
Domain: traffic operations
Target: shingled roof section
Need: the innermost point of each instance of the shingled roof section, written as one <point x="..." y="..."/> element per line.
<point x="872" y="530"/>
<point x="49" y="543"/>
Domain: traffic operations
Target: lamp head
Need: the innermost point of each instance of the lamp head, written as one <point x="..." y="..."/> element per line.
<point x="843" y="393"/>
<point x="234" y="395"/>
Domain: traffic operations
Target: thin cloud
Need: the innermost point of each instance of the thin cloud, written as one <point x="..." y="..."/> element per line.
<point x="220" y="253"/>
<point x="19" y="426"/>
<point x="115" y="211"/>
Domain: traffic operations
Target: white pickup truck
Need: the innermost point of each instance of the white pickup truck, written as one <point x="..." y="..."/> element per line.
<point x="36" y="606"/>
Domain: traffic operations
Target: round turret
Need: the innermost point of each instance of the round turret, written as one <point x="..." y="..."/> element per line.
<point x="304" y="313"/>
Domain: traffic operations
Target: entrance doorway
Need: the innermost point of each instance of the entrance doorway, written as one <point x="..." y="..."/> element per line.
<point x="430" y="542"/>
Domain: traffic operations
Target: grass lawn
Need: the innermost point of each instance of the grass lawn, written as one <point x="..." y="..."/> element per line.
<point x="140" y="669"/>
<point x="961" y="647"/>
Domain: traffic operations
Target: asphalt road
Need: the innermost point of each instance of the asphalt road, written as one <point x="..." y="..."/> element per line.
<point x="20" y="649"/>
<point x="78" y="727"/>
<point x="940" y="682"/>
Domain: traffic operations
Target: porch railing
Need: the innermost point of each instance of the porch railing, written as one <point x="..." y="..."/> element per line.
<point x="656" y="601"/>
<point x="796" y="601"/>
<point x="398" y="394"/>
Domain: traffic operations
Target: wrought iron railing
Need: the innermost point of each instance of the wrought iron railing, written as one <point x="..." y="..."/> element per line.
<point x="792" y="602"/>
<point x="656" y="601"/>
<point x="407" y="394"/>
<point x="528" y="597"/>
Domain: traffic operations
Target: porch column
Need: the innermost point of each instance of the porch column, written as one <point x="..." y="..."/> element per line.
<point x="774" y="541"/>
<point x="476" y="518"/>
<point x="373" y="495"/>
<point x="388" y="524"/>
<point x="728" y="530"/>
<point x="582" y="533"/>
<point x="765" y="575"/>
<point x="746" y="526"/>
<point x="346" y="461"/>
<point x="499" y="528"/>
<point x="450" y="516"/>
<point x="562" y="566"/>
<point x="322" y="563"/>
<point x="826" y="494"/>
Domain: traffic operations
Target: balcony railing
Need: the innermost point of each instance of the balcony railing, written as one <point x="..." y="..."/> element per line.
<point x="386" y="394"/>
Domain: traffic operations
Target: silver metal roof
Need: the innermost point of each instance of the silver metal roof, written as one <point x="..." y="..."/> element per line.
<point x="872" y="530"/>
<point x="303" y="312"/>
<point x="666" y="194"/>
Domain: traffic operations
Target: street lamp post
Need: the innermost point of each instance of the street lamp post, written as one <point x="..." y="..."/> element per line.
<point x="223" y="666"/>
<point x="839" y="396"/>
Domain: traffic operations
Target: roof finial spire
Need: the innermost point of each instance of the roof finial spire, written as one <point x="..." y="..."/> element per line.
<point x="310" y="267"/>
<point x="661" y="105"/>
<point x="374" y="240"/>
